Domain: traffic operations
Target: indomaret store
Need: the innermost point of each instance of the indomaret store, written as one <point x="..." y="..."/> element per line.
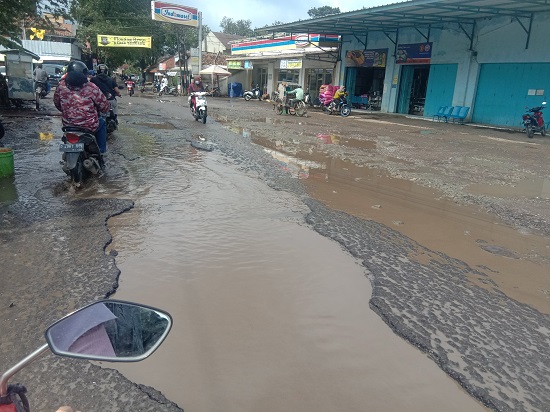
<point x="307" y="60"/>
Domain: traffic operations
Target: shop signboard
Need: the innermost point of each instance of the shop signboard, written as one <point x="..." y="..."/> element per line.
<point x="292" y="42"/>
<point x="291" y="64"/>
<point x="234" y="64"/>
<point x="367" y="58"/>
<point x="106" y="40"/>
<point x="248" y="64"/>
<point x="414" y="53"/>
<point x="174" y="13"/>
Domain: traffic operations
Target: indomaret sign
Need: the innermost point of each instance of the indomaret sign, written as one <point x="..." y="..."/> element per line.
<point x="174" y="13"/>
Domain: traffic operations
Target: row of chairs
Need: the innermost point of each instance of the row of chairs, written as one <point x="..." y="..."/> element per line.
<point x="455" y="113"/>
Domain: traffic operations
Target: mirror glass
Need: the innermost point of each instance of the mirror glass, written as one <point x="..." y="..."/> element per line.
<point x="110" y="330"/>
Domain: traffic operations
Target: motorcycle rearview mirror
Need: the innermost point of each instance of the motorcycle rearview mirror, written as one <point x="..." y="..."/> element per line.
<point x="107" y="330"/>
<point x="110" y="330"/>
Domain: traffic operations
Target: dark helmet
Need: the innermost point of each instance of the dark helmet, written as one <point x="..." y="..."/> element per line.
<point x="77" y="66"/>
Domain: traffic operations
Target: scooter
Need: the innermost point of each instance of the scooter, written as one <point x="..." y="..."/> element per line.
<point x="199" y="109"/>
<point x="255" y="93"/>
<point x="342" y="107"/>
<point x="110" y="121"/>
<point x="130" y="87"/>
<point x="107" y="330"/>
<point x="533" y="121"/>
<point x="81" y="156"/>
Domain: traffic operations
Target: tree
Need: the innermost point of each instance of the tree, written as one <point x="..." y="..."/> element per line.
<point x="322" y="11"/>
<point x="130" y="18"/>
<point x="19" y="15"/>
<point x="239" y="27"/>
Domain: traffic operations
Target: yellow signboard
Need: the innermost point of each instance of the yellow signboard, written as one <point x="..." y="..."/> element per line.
<point x="123" y="41"/>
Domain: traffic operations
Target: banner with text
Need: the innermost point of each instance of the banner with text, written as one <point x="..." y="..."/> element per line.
<point x="174" y="13"/>
<point x="123" y="41"/>
<point x="414" y="53"/>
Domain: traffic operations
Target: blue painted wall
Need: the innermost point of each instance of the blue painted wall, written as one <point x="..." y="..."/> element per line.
<point x="441" y="87"/>
<point x="502" y="91"/>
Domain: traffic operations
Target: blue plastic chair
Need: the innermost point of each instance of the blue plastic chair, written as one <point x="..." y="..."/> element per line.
<point x="447" y="113"/>
<point x="461" y="115"/>
<point x="439" y="113"/>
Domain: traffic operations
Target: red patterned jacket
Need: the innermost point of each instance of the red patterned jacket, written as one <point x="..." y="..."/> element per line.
<point x="80" y="106"/>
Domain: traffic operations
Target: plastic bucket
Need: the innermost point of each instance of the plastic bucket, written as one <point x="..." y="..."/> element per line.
<point x="6" y="162"/>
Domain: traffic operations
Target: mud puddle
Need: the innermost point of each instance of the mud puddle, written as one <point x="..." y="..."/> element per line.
<point x="518" y="261"/>
<point x="268" y="315"/>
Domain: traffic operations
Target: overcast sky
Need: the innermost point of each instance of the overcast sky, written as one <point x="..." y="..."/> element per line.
<point x="262" y="12"/>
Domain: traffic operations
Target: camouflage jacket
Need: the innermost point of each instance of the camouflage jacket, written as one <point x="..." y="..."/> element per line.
<point x="80" y="106"/>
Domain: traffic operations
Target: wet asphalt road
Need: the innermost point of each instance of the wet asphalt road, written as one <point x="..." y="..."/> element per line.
<point x="53" y="241"/>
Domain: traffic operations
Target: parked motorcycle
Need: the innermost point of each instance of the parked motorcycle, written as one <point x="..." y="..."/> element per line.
<point x="341" y="107"/>
<point x="81" y="156"/>
<point x="172" y="90"/>
<point x="255" y="93"/>
<point x="533" y="121"/>
<point x="199" y="110"/>
<point x="108" y="330"/>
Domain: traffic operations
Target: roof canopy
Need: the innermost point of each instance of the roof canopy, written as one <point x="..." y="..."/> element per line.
<point x="416" y="13"/>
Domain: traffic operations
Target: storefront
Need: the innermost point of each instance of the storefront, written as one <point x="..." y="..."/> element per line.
<point x="414" y="60"/>
<point x="365" y="75"/>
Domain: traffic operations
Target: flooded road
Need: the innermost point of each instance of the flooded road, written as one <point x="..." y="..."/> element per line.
<point x="269" y="315"/>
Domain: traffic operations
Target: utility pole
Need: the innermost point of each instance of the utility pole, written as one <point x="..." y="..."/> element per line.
<point x="200" y="41"/>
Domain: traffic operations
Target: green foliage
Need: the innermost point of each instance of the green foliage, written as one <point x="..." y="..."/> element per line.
<point x="16" y="14"/>
<point x="316" y="12"/>
<point x="238" y="27"/>
<point x="130" y="18"/>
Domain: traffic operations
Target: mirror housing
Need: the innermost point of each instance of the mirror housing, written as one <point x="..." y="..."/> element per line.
<point x="110" y="330"/>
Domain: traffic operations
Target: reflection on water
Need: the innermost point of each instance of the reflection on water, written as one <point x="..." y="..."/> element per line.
<point x="268" y="315"/>
<point x="8" y="191"/>
<point x="425" y="215"/>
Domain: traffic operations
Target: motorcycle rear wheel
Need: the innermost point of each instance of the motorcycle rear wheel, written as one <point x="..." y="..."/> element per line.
<point x="530" y="132"/>
<point x="77" y="172"/>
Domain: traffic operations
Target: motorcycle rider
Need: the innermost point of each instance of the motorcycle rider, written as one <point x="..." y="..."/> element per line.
<point x="109" y="88"/>
<point x="194" y="87"/>
<point x="41" y="76"/>
<point x="81" y="101"/>
<point x="297" y="92"/>
<point x="341" y="92"/>
<point x="164" y="84"/>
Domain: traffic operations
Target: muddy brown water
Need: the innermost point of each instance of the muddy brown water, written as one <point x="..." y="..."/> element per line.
<point x="269" y="315"/>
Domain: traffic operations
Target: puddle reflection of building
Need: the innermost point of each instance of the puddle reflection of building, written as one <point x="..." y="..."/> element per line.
<point x="298" y="168"/>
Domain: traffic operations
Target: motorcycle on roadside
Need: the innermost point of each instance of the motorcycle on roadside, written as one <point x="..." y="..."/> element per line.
<point x="199" y="110"/>
<point x="255" y="93"/>
<point x="107" y="330"/>
<point x="533" y="121"/>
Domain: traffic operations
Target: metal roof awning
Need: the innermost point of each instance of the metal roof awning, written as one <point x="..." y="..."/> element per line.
<point x="20" y="51"/>
<point x="417" y="14"/>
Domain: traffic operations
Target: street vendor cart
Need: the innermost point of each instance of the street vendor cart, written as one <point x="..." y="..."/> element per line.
<point x="19" y="72"/>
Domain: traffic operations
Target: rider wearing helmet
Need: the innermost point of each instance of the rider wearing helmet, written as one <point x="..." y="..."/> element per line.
<point x="196" y="86"/>
<point x="81" y="101"/>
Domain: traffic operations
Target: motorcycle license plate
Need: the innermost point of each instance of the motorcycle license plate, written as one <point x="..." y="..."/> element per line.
<point x="71" y="147"/>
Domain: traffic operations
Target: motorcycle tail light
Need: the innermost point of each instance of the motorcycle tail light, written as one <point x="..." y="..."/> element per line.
<point x="525" y="117"/>
<point x="72" y="137"/>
